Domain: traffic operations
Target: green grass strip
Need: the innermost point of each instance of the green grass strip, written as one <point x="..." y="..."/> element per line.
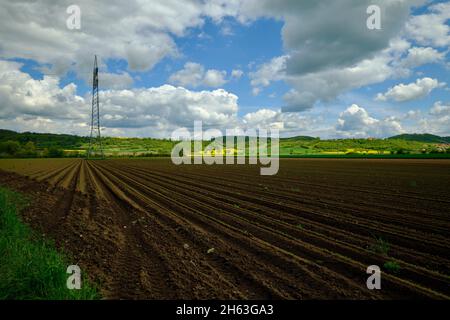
<point x="30" y="267"/>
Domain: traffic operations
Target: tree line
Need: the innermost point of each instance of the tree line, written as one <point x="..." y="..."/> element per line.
<point x="14" y="149"/>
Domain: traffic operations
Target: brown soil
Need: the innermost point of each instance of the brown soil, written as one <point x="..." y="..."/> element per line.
<point x="150" y="229"/>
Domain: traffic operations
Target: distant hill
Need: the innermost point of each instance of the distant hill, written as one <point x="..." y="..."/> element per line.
<point x="424" y="137"/>
<point x="68" y="140"/>
<point x="300" y="138"/>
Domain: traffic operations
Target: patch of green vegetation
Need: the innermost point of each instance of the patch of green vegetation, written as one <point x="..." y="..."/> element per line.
<point x="392" y="267"/>
<point x="30" y="267"/>
<point x="380" y="246"/>
<point x="28" y="144"/>
<point x="359" y="148"/>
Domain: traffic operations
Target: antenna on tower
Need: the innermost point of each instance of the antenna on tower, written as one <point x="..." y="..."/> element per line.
<point x="95" y="142"/>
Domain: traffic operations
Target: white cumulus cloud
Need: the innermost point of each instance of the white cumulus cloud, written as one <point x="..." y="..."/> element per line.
<point x="355" y="121"/>
<point x="194" y="75"/>
<point x="273" y="70"/>
<point x="431" y="28"/>
<point x="406" y="92"/>
<point x="140" y="32"/>
<point x="237" y="73"/>
<point x="440" y="109"/>
<point x="41" y="105"/>
<point x="418" y="56"/>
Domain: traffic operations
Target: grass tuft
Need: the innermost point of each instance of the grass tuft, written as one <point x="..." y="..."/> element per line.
<point x="380" y="246"/>
<point x="392" y="267"/>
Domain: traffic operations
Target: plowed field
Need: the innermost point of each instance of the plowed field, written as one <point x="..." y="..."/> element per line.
<point x="150" y="229"/>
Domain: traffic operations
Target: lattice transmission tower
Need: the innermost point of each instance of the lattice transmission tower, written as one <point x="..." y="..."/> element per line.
<point x="95" y="142"/>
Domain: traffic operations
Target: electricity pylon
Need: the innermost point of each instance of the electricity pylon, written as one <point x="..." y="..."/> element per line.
<point x="95" y="141"/>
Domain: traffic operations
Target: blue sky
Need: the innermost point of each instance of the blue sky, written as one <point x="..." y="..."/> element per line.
<point x="301" y="68"/>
